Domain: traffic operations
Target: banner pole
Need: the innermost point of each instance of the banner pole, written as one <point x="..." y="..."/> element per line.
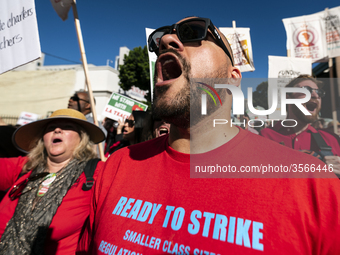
<point x="331" y="76"/>
<point x="288" y="53"/>
<point x="234" y="24"/>
<point x="84" y="61"/>
<point x="334" y="112"/>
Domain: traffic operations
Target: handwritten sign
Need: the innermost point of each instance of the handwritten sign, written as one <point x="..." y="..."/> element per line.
<point x="331" y="23"/>
<point x="284" y="69"/>
<point x="19" y="37"/>
<point x="120" y="107"/>
<point x="152" y="62"/>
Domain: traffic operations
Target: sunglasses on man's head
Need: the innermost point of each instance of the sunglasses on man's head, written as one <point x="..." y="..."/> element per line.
<point x="190" y="30"/>
<point x="76" y="98"/>
<point x="17" y="189"/>
<point x="131" y="123"/>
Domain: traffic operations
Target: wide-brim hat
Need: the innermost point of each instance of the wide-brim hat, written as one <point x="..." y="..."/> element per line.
<point x="24" y="137"/>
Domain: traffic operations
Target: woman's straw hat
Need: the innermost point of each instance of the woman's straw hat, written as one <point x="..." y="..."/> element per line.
<point x="26" y="136"/>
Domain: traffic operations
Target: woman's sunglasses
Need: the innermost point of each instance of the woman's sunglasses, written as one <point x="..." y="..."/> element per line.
<point x="190" y="30"/>
<point x="17" y="189"/>
<point x="131" y="123"/>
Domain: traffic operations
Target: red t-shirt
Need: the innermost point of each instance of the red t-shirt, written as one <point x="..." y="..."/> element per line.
<point x="66" y="225"/>
<point x="302" y="141"/>
<point x="146" y="203"/>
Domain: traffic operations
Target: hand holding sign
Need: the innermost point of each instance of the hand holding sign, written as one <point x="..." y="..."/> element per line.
<point x="120" y="126"/>
<point x="120" y="107"/>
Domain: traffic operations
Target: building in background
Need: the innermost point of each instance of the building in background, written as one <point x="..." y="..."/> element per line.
<point x="120" y="59"/>
<point x="43" y="89"/>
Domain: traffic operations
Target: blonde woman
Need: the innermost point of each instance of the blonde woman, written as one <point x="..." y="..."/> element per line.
<point x="44" y="210"/>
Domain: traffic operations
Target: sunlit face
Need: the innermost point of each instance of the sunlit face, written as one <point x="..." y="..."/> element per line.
<point x="83" y="101"/>
<point x="313" y="106"/>
<point x="61" y="137"/>
<point x="176" y="64"/>
<point x="129" y="128"/>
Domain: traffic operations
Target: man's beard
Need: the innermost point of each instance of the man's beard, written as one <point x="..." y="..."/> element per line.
<point x="176" y="112"/>
<point x="181" y="111"/>
<point x="305" y="118"/>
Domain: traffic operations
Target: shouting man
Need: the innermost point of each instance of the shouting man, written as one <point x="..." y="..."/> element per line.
<point x="190" y="192"/>
<point x="304" y="136"/>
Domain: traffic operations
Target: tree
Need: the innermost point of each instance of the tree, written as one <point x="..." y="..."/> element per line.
<point x="135" y="71"/>
<point x="260" y="95"/>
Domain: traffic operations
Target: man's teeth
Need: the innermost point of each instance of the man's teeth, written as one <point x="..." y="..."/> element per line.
<point x="163" y="131"/>
<point x="168" y="62"/>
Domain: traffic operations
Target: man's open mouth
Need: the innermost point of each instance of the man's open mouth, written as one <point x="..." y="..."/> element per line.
<point x="168" y="67"/>
<point x="311" y="106"/>
<point x="163" y="131"/>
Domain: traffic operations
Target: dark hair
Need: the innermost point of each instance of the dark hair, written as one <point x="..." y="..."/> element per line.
<point x="304" y="77"/>
<point x="143" y="126"/>
<point x="87" y="95"/>
<point x="300" y="78"/>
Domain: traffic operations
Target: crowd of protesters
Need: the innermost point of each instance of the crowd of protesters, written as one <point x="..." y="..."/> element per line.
<point x="61" y="199"/>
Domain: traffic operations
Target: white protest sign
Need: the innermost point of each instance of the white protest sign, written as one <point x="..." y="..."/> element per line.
<point x="331" y="23"/>
<point x="137" y="93"/>
<point x="27" y="117"/>
<point x="281" y="71"/>
<point x="240" y="43"/>
<point x="19" y="37"/>
<point x="306" y="37"/>
<point x="120" y="107"/>
<point x="152" y="61"/>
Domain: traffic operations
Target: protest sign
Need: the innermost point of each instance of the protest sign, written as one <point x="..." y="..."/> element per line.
<point x="137" y="93"/>
<point x="315" y="36"/>
<point x="306" y="37"/>
<point x="284" y="69"/>
<point x="331" y="24"/>
<point x="19" y="37"/>
<point x="240" y="43"/>
<point x="152" y="61"/>
<point x="120" y="107"/>
<point x="27" y="117"/>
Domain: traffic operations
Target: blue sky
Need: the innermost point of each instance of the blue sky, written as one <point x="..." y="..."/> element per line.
<point x="107" y="25"/>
